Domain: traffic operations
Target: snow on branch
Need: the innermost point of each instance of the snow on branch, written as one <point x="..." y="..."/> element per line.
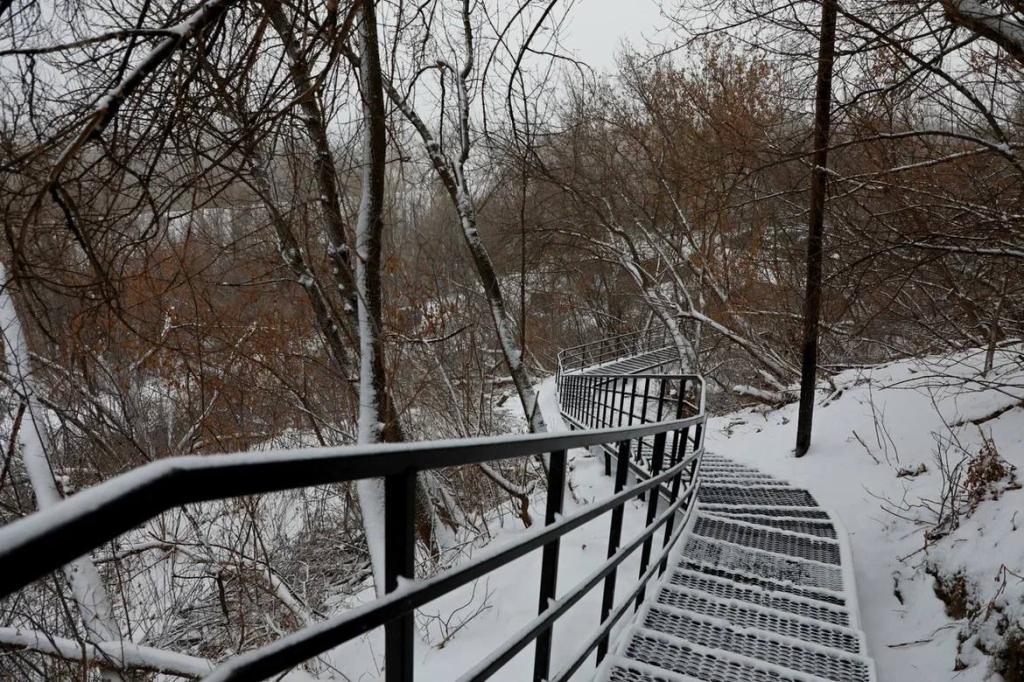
<point x="121" y="655"/>
<point x="107" y="106"/>
<point x="990" y="21"/>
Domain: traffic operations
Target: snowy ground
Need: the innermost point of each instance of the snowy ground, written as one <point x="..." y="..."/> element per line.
<point x="893" y="417"/>
<point x="508" y="596"/>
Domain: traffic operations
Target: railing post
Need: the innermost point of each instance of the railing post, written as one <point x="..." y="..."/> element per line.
<point x="632" y="401"/>
<point x="643" y="415"/>
<point x="679" y="445"/>
<point x="678" y="453"/>
<point x="549" y="562"/>
<point x="614" y="538"/>
<point x="622" y="402"/>
<point x="399" y="561"/>
<point x="657" y="456"/>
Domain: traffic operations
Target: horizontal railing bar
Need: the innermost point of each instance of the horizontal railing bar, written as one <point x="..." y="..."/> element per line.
<point x="531" y="630"/>
<point x="300" y="646"/>
<point x="46" y="540"/>
<point x="588" y="344"/>
<point x="621" y="609"/>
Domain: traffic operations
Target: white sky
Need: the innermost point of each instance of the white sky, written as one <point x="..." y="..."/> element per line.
<point x="596" y="28"/>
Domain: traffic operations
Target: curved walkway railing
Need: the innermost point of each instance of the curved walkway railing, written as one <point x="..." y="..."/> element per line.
<point x="658" y="418"/>
<point x="606" y="350"/>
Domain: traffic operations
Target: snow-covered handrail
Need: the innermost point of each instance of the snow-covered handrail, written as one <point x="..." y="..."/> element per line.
<point x="663" y="426"/>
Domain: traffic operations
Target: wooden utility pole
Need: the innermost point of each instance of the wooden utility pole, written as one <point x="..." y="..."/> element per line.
<point x="816" y="223"/>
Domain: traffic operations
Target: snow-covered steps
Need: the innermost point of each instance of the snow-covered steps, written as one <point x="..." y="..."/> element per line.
<point x="759" y="595"/>
<point x="757" y="592"/>
<point x="817" y="527"/>
<point x="745" y="615"/>
<point x="749" y="495"/>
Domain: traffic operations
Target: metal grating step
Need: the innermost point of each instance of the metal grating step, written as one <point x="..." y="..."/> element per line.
<point x="714" y="466"/>
<point x="790" y="512"/>
<point x="822" y="529"/>
<point x="723" y="469"/>
<point x="788" y="497"/>
<point x="742" y="578"/>
<point x="744" y="482"/>
<point x="720" y="469"/>
<point x="826" y="663"/>
<point x="746" y="616"/>
<point x="622" y="670"/>
<point x="776" y="600"/>
<point x="699" y="662"/>
<point x="741" y="533"/>
<point x="726" y="480"/>
<point x="760" y="564"/>
<point x="757" y="593"/>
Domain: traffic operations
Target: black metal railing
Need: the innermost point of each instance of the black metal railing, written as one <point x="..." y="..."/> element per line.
<point x="605" y="350"/>
<point x="600" y="401"/>
<point x="658" y="418"/>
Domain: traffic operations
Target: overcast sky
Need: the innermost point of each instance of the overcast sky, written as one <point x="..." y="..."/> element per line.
<point x="596" y="28"/>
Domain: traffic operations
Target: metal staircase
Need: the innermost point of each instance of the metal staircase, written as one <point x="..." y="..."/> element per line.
<point x="759" y="588"/>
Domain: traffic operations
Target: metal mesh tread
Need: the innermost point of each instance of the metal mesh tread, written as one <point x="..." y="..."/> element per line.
<point x="822" y="529"/>
<point x="744" y="616"/>
<point x="756" y="593"/>
<point x="623" y="670"/>
<point x="748" y="535"/>
<point x="745" y="495"/>
<point x="739" y="478"/>
<point x="760" y="596"/>
<point x="763" y="564"/>
<point x="828" y="664"/>
<point x="770" y="510"/>
<point x="774" y="585"/>
<point x="699" y="662"/>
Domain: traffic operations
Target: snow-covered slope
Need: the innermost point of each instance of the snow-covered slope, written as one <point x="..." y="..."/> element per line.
<point x="886" y="445"/>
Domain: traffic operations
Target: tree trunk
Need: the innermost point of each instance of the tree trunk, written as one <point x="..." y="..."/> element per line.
<point x="815" y="231"/>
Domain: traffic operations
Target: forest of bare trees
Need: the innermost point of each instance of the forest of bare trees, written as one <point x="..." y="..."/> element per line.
<point x="258" y="224"/>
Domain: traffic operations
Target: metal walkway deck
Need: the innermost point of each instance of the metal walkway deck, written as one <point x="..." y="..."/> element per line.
<point x="636" y="363"/>
<point x="759" y="591"/>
